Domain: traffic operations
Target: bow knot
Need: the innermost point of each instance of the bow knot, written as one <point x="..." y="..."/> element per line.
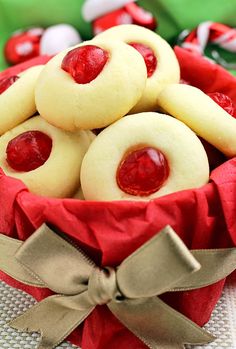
<point x="102" y="286"/>
<point x="130" y="291"/>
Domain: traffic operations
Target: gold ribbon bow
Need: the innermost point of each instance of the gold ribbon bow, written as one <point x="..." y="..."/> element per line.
<point x="131" y="291"/>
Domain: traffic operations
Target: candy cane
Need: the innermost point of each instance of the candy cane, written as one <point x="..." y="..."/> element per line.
<point x="210" y="32"/>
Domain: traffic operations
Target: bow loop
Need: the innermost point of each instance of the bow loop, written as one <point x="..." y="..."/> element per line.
<point x="69" y="269"/>
<point x="102" y="286"/>
<point x="152" y="264"/>
<point x="131" y="291"/>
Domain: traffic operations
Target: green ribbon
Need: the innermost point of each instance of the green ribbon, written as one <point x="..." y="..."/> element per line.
<point x="130" y="291"/>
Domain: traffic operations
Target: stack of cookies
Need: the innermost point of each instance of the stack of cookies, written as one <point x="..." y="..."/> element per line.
<point x="110" y="120"/>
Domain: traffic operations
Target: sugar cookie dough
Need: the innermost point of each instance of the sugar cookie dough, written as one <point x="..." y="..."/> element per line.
<point x="167" y="68"/>
<point x="17" y="102"/>
<point x="202" y="115"/>
<point x="113" y="91"/>
<point x="59" y="175"/>
<point x="155" y="156"/>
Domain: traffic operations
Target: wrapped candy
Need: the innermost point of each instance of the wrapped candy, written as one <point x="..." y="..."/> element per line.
<point x="207" y="33"/>
<point x="93" y="9"/>
<point x="57" y="38"/>
<point x="216" y="33"/>
<point x="24" y="45"/>
<point x="107" y="14"/>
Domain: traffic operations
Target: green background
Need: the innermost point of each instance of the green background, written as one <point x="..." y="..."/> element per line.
<point x="173" y="16"/>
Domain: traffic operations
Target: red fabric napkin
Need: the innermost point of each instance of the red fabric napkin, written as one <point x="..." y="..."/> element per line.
<point x="109" y="231"/>
<point x="23" y="66"/>
<point x="210" y="77"/>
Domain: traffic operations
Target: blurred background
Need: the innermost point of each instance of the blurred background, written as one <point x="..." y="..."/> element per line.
<point x="205" y="27"/>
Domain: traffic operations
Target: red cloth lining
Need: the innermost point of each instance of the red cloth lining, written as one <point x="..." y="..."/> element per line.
<point x="110" y="231"/>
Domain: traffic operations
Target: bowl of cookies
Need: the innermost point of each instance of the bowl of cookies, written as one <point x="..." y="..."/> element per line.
<point x="110" y="141"/>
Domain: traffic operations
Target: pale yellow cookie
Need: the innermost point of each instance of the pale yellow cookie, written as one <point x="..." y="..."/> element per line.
<point x="70" y="105"/>
<point x="79" y="194"/>
<point x="59" y="176"/>
<point x="91" y="136"/>
<point x="17" y="103"/>
<point x="186" y="158"/>
<point x="202" y="115"/>
<point x="167" y="70"/>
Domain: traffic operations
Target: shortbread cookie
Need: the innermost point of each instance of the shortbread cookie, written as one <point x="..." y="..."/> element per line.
<point x="79" y="194"/>
<point x="91" y="136"/>
<point x="45" y="158"/>
<point x="17" y="101"/>
<point x="161" y="62"/>
<point x="202" y="115"/>
<point x="90" y="86"/>
<point x="141" y="157"/>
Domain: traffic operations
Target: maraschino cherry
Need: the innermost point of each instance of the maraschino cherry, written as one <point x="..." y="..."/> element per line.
<point x="85" y="63"/>
<point x="148" y="56"/>
<point x="142" y="172"/>
<point x="7" y="82"/>
<point x="28" y="151"/>
<point x="223" y="101"/>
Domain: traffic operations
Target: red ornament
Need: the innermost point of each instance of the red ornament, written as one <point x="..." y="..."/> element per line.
<point x="148" y="56"/>
<point x="23" y="46"/>
<point x="129" y="14"/>
<point x="142" y="172"/>
<point x="28" y="151"/>
<point x="7" y="82"/>
<point x="85" y="63"/>
<point x="223" y="101"/>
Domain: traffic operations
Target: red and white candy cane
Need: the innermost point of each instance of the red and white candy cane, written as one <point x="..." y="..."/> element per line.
<point x="210" y="32"/>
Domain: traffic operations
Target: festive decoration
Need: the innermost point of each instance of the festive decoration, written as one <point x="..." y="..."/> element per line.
<point x="209" y="32"/>
<point x="23" y="45"/>
<point x="129" y="14"/>
<point x="130" y="291"/>
<point x="106" y="14"/>
<point x="93" y="9"/>
<point x="57" y="38"/>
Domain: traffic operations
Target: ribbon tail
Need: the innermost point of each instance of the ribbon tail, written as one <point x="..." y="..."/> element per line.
<point x="158" y="325"/>
<point x="146" y="273"/>
<point x="55" y="318"/>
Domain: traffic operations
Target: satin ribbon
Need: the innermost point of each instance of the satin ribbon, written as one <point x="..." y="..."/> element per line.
<point x="130" y="291"/>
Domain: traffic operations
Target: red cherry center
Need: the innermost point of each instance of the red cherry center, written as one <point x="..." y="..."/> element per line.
<point x="142" y="172"/>
<point x="85" y="63"/>
<point x="28" y="151"/>
<point x="223" y="101"/>
<point x="7" y="82"/>
<point x="148" y="56"/>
